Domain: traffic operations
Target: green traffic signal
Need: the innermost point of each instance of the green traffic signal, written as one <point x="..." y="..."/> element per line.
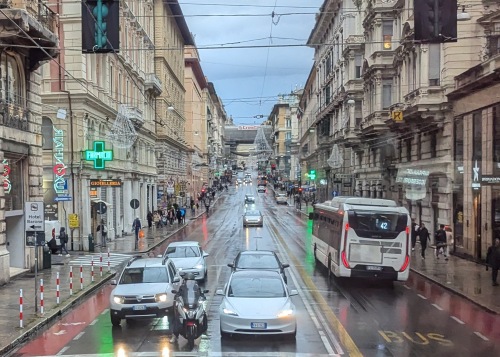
<point x="100" y="13"/>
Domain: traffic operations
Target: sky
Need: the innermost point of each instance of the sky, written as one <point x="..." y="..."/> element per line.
<point x="249" y="80"/>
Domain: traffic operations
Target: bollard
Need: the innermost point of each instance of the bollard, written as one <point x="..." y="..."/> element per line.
<point x="71" y="280"/>
<point x="100" y="264"/>
<point x="81" y="277"/>
<point x="21" y="308"/>
<point x="92" y="269"/>
<point x="41" y="296"/>
<point x="57" y="288"/>
<point x="109" y="264"/>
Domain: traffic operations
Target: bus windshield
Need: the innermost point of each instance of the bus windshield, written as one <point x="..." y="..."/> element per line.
<point x="377" y="225"/>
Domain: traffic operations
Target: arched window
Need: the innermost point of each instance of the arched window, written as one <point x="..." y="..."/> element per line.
<point x="11" y="80"/>
<point x="47" y="134"/>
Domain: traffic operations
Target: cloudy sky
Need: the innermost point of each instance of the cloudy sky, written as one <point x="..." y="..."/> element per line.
<point x="249" y="79"/>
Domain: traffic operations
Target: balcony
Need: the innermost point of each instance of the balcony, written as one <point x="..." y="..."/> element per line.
<point x="14" y="116"/>
<point x="351" y="137"/>
<point x="374" y="124"/>
<point x="135" y="115"/>
<point x="153" y="84"/>
<point x="38" y="21"/>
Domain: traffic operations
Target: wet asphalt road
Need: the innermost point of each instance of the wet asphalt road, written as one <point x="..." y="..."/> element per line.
<point x="335" y="317"/>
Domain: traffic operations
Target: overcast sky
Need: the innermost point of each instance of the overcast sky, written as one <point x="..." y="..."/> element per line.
<point x="248" y="80"/>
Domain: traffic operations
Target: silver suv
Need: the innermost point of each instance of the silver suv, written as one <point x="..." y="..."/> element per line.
<point x="144" y="290"/>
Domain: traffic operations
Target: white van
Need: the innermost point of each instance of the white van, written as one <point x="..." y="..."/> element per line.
<point x="52" y="229"/>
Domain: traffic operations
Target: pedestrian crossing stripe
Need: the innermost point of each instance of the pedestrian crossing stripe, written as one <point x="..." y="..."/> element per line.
<point x="114" y="259"/>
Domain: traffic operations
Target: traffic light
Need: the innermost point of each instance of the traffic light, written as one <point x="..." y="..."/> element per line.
<point x="312" y="174"/>
<point x="100" y="26"/>
<point x="435" y="21"/>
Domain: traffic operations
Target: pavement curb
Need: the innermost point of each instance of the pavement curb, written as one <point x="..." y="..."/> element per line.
<point x="56" y="314"/>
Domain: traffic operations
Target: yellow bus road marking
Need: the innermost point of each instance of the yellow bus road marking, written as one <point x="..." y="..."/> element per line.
<point x="342" y="334"/>
<point x="417" y="338"/>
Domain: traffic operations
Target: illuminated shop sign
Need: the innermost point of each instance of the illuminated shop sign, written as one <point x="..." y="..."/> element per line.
<point x="105" y="183"/>
<point x="99" y="155"/>
<point x="476" y="181"/>
<point x="413" y="177"/>
<point x="7" y="186"/>
<point x="59" y="169"/>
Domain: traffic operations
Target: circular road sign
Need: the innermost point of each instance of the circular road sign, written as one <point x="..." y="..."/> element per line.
<point x="134" y="203"/>
<point x="101" y="208"/>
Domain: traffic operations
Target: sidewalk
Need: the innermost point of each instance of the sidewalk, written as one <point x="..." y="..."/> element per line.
<point x="11" y="335"/>
<point x="465" y="278"/>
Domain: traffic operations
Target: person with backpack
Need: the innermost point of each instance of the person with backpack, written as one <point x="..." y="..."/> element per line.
<point x="63" y="238"/>
<point x="441" y="242"/>
<point x="136" y="226"/>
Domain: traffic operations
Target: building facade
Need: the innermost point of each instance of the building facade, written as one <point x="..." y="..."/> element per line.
<point x="32" y="26"/>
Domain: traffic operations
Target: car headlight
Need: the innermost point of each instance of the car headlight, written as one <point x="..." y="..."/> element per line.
<point x="161" y="297"/>
<point x="285" y="313"/>
<point x="119" y="299"/>
<point x="229" y="312"/>
<point x="198" y="266"/>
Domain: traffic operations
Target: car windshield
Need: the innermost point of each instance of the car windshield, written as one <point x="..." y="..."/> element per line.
<point x="252" y="213"/>
<point x="257" y="261"/>
<point x="183" y="252"/>
<point x="144" y="275"/>
<point x="246" y="287"/>
<point x="281" y="195"/>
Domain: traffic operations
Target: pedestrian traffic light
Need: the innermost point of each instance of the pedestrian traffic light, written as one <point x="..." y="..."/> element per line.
<point x="312" y="174"/>
<point x="100" y="26"/>
<point x="435" y="21"/>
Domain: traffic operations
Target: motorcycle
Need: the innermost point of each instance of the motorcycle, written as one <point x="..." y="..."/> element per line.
<point x="190" y="311"/>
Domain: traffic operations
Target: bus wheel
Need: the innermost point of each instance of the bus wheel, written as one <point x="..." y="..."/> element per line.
<point x="329" y="265"/>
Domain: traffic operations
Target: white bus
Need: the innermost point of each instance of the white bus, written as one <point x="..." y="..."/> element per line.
<point x="362" y="237"/>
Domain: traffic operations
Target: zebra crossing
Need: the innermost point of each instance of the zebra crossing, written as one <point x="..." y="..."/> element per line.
<point x="115" y="259"/>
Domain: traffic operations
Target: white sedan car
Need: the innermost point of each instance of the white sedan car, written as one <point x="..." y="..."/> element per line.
<point x="281" y="198"/>
<point x="257" y="302"/>
<point x="188" y="257"/>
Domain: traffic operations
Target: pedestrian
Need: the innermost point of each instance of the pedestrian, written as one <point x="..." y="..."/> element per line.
<point x="149" y="217"/>
<point x="414" y="233"/>
<point x="423" y="233"/>
<point x="493" y="259"/>
<point x="179" y="216"/>
<point x="156" y="219"/>
<point x="136" y="226"/>
<point x="440" y="237"/>
<point x="449" y="239"/>
<point x="104" y="232"/>
<point x="63" y="238"/>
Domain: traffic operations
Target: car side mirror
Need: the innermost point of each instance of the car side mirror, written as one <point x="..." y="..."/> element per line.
<point x="113" y="282"/>
<point x="176" y="279"/>
<point x="174" y="291"/>
<point x="293" y="292"/>
<point x="206" y="291"/>
<point x="205" y="254"/>
<point x="231" y="265"/>
<point x="285" y="266"/>
<point x="219" y="292"/>
<point x="311" y="216"/>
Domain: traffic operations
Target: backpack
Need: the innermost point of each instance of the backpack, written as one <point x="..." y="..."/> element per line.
<point x="63" y="237"/>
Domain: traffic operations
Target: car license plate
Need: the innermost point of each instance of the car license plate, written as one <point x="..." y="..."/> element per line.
<point x="260" y="325"/>
<point x="139" y="307"/>
<point x="373" y="267"/>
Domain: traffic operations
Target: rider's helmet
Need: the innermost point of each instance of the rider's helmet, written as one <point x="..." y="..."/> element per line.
<point x="189" y="276"/>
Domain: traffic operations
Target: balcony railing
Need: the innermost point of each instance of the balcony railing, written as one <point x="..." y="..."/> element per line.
<point x="14" y="116"/>
<point x="134" y="114"/>
<point x="153" y="83"/>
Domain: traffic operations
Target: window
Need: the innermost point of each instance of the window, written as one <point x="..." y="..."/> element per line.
<point x="477" y="153"/>
<point x="387" y="29"/>
<point x="433" y="144"/>
<point x="458" y="142"/>
<point x="408" y="149"/>
<point x="494" y="45"/>
<point x="111" y="80"/>
<point x="11" y="87"/>
<point x="434" y="63"/>
<point x="419" y="146"/>
<point x="357" y="65"/>
<point x="496" y="138"/>
<point x="358" y="113"/>
<point x="386" y="93"/>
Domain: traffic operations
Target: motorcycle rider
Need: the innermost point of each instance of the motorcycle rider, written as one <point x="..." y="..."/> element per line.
<point x="181" y="293"/>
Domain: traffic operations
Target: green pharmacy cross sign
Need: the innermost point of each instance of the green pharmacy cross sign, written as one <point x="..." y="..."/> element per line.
<point x="99" y="155"/>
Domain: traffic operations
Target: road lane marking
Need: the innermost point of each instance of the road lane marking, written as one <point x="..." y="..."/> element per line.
<point x="105" y="312"/>
<point x="326" y="343"/>
<point x="344" y="337"/>
<point x="481" y="336"/>
<point x="77" y="337"/>
<point x="458" y="320"/>
<point x="94" y="322"/>
<point x="407" y="287"/>
<point x="421" y="296"/>
<point x="437" y="307"/>
<point x="61" y="352"/>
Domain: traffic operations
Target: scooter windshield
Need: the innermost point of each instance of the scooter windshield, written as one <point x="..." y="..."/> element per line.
<point x="191" y="295"/>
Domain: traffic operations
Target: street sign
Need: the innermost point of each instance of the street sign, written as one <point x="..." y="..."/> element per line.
<point x="34" y="218"/>
<point x="397" y="116"/>
<point x="74" y="222"/>
<point x="101" y="208"/>
<point x="62" y="198"/>
<point x="134" y="203"/>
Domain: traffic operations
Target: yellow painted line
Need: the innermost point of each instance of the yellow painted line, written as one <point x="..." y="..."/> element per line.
<point x="345" y="339"/>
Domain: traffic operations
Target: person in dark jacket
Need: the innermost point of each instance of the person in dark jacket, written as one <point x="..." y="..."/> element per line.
<point x="63" y="238"/>
<point x="493" y="259"/>
<point x="423" y="233"/>
<point x="149" y="217"/>
<point x="441" y="242"/>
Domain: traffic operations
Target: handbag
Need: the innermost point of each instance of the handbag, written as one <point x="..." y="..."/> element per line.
<point x="141" y="233"/>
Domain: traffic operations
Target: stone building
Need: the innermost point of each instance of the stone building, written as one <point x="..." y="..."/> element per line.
<point x="32" y="28"/>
